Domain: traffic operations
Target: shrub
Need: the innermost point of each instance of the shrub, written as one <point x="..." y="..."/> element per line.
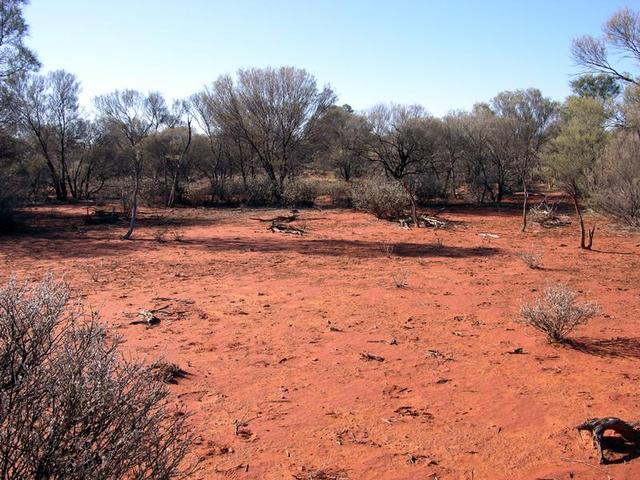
<point x="383" y="198"/>
<point x="260" y="192"/>
<point x="532" y="260"/>
<point x="341" y="193"/>
<point x="300" y="193"/>
<point x="617" y="185"/>
<point x="556" y="313"/>
<point x="70" y="406"/>
<point x="401" y="279"/>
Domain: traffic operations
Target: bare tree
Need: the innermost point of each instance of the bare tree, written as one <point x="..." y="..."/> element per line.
<point x="276" y="112"/>
<point x="46" y="110"/>
<point x="527" y="118"/>
<point x="182" y="143"/>
<point x="400" y="142"/>
<point x="341" y="134"/>
<point x="226" y="149"/>
<point x="621" y="39"/>
<point x="135" y="116"/>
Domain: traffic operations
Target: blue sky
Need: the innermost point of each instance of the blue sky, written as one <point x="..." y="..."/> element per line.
<point x="442" y="54"/>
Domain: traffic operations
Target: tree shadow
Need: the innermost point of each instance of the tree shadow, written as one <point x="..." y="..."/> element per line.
<point x="614" y="253"/>
<point x="350" y="248"/>
<point x="618" y="347"/>
<point x="83" y="246"/>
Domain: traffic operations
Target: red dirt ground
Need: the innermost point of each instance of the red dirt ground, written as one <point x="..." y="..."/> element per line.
<point x="271" y="328"/>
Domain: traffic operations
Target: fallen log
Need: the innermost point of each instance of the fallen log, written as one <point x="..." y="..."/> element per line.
<point x="279" y="219"/>
<point x="284" y="228"/>
<point x="630" y="432"/>
<point x="426" y="221"/>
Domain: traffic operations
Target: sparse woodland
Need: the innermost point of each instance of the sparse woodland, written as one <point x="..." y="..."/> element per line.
<point x="274" y="137"/>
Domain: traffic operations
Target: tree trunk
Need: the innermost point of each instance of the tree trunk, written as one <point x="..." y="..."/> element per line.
<point x="525" y="205"/>
<point x="584" y="243"/>
<point x="414" y="207"/>
<point x="134" y="200"/>
<point x="174" y="185"/>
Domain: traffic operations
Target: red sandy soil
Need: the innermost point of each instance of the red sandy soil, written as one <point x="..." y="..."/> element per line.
<point x="271" y="327"/>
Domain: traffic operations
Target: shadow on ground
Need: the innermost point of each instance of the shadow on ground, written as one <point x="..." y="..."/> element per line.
<point x="621" y="347"/>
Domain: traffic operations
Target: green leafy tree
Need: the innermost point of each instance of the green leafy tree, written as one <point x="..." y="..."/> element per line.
<point x="574" y="152"/>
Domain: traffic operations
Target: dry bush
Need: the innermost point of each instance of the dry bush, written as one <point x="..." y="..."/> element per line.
<point x="166" y="372"/>
<point x="70" y="406"/>
<point x="546" y="215"/>
<point x="380" y="197"/>
<point x="532" y="260"/>
<point x="160" y="235"/>
<point x="387" y="248"/>
<point x="176" y="235"/>
<point x="340" y="192"/>
<point x="401" y="279"/>
<point x="300" y="193"/>
<point x="557" y="313"/>
<point x="617" y="186"/>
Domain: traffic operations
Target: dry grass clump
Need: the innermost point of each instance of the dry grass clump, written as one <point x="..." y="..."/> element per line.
<point x="401" y="279"/>
<point x="160" y="235"/>
<point x="166" y="372"/>
<point x="387" y="248"/>
<point x="532" y="260"/>
<point x="557" y="313"/>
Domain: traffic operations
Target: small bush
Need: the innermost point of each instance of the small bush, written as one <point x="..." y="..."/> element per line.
<point x="556" y="313"/>
<point x="401" y="280"/>
<point x="160" y="235"/>
<point x="300" y="193"/>
<point x="70" y="406"/>
<point x="339" y="191"/>
<point x="383" y="198"/>
<point x="532" y="260"/>
<point x="260" y="192"/>
<point x="177" y="235"/>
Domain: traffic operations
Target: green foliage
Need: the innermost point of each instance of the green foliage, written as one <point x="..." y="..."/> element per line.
<point x="599" y="86"/>
<point x="572" y="154"/>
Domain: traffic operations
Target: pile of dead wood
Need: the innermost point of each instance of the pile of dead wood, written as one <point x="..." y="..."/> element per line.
<point x="425" y="221"/>
<point x="99" y="217"/>
<point x="546" y="215"/>
<point x="281" y="224"/>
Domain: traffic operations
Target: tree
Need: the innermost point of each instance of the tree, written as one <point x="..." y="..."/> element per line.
<point x="226" y="150"/>
<point x="527" y="118"/>
<point x="341" y="133"/>
<point x="401" y="143"/>
<point x="15" y="57"/>
<point x="573" y="153"/>
<point x="276" y="112"/>
<point x="451" y="149"/>
<point x="601" y="86"/>
<point x="134" y="116"/>
<point x="46" y="109"/>
<point x="621" y="39"/>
